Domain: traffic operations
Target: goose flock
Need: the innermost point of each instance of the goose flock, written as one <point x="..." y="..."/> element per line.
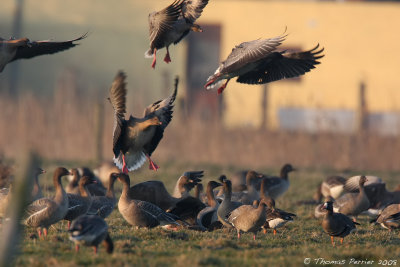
<point x="245" y="203"/>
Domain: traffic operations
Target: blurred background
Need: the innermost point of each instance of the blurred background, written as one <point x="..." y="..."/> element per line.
<point x="345" y="114"/>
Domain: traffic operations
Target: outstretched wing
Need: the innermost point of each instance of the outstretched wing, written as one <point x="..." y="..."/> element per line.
<point x="163" y="110"/>
<point x="38" y="48"/>
<point x="118" y="100"/>
<point x="161" y="22"/>
<point x="277" y="66"/>
<point x="192" y="9"/>
<point x="249" y="52"/>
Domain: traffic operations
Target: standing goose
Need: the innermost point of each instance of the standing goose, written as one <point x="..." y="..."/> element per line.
<point x="95" y="188"/>
<point x="276" y="218"/>
<point x="276" y="186"/>
<point x="172" y="24"/>
<point x="23" y="48"/>
<point x="141" y="213"/>
<point x="353" y="203"/>
<point x="389" y="217"/>
<point x="104" y="205"/>
<point x="90" y="230"/>
<point x="208" y="215"/>
<point x="248" y="218"/>
<point x="79" y="204"/>
<point x="45" y="212"/>
<point x="227" y="205"/>
<point x="337" y="224"/>
<point x="137" y="138"/>
<point x="252" y="179"/>
<point x="257" y="62"/>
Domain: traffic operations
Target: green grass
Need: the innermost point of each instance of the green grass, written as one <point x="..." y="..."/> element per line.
<point x="301" y="239"/>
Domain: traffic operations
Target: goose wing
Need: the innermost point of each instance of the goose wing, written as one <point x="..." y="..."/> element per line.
<point x="279" y="65"/>
<point x="192" y="9"/>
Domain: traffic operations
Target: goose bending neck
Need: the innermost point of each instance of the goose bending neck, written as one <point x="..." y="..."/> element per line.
<point x="60" y="192"/>
<point x="110" y="189"/>
<point x="212" y="202"/>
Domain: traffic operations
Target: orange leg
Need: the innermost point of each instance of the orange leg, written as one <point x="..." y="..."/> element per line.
<point x="333" y="243"/>
<point x="69" y="225"/>
<point x="254" y="237"/>
<point x="167" y="59"/>
<point x="76" y="248"/>
<point x="95" y="250"/>
<point x="39" y="231"/>
<point x="341" y="240"/>
<point x="274" y="232"/>
<point x="153" y="64"/>
<point x="45" y="232"/>
<point x="265" y="230"/>
<point x="152" y="165"/>
<point x="221" y="89"/>
<point x="238" y="235"/>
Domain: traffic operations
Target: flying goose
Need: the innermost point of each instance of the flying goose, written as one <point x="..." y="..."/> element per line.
<point x="140" y="213"/>
<point x="258" y="62"/>
<point x="135" y="139"/>
<point x="23" y="48"/>
<point x="276" y="186"/>
<point x="79" y="204"/>
<point x="172" y="24"/>
<point x="104" y="205"/>
<point x="45" y="212"/>
<point x="337" y="224"/>
<point x="248" y="218"/>
<point x="353" y="203"/>
<point x="90" y="230"/>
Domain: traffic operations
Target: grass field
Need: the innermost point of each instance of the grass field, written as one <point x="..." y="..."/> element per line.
<point x="301" y="239"/>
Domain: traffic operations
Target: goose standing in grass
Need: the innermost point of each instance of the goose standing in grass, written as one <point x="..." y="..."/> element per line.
<point x="227" y="205"/>
<point x="95" y="189"/>
<point x="45" y="212"/>
<point x="258" y="62"/>
<point x="276" y="186"/>
<point x="248" y="218"/>
<point x="135" y="139"/>
<point x="337" y="224"/>
<point x="389" y="217"/>
<point x="252" y="179"/>
<point x="172" y="24"/>
<point x="207" y="216"/>
<point x="14" y="49"/>
<point x="276" y="218"/>
<point x="140" y="213"/>
<point x="90" y="230"/>
<point x="79" y="204"/>
<point x="104" y="205"/>
<point x="353" y="204"/>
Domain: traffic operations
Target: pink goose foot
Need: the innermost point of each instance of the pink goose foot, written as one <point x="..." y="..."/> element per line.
<point x="167" y="59"/>
<point x="221" y="89"/>
<point x="152" y="165"/>
<point x="153" y="64"/>
<point x="124" y="168"/>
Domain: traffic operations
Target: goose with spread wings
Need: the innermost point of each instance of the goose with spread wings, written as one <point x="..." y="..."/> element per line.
<point x="14" y="49"/>
<point x="135" y="139"/>
<point x="172" y="24"/>
<point x="258" y="62"/>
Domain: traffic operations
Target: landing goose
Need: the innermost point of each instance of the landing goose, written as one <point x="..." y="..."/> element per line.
<point x="337" y="224"/>
<point x="135" y="139"/>
<point x="258" y="62"/>
<point x="276" y="186"/>
<point x="248" y="218"/>
<point x="45" y="212"/>
<point x="140" y="213"/>
<point x="79" y="204"/>
<point x="23" y="48"/>
<point x="90" y="230"/>
<point x="172" y="24"/>
<point x="353" y="203"/>
<point x="104" y="205"/>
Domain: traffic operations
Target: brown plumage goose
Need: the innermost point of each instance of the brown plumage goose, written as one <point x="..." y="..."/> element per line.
<point x="104" y="205"/>
<point x="79" y="204"/>
<point x="95" y="189"/>
<point x="248" y="218"/>
<point x="252" y="179"/>
<point x="389" y="217"/>
<point x="258" y="62"/>
<point x="276" y="186"/>
<point x="208" y="215"/>
<point x="44" y="212"/>
<point x="186" y="182"/>
<point x="320" y="210"/>
<point x="227" y="205"/>
<point x="137" y="138"/>
<point x="353" y="203"/>
<point x="172" y="24"/>
<point x="337" y="224"/>
<point x="14" y="49"/>
<point x="276" y="218"/>
<point x="90" y="230"/>
<point x="141" y="213"/>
